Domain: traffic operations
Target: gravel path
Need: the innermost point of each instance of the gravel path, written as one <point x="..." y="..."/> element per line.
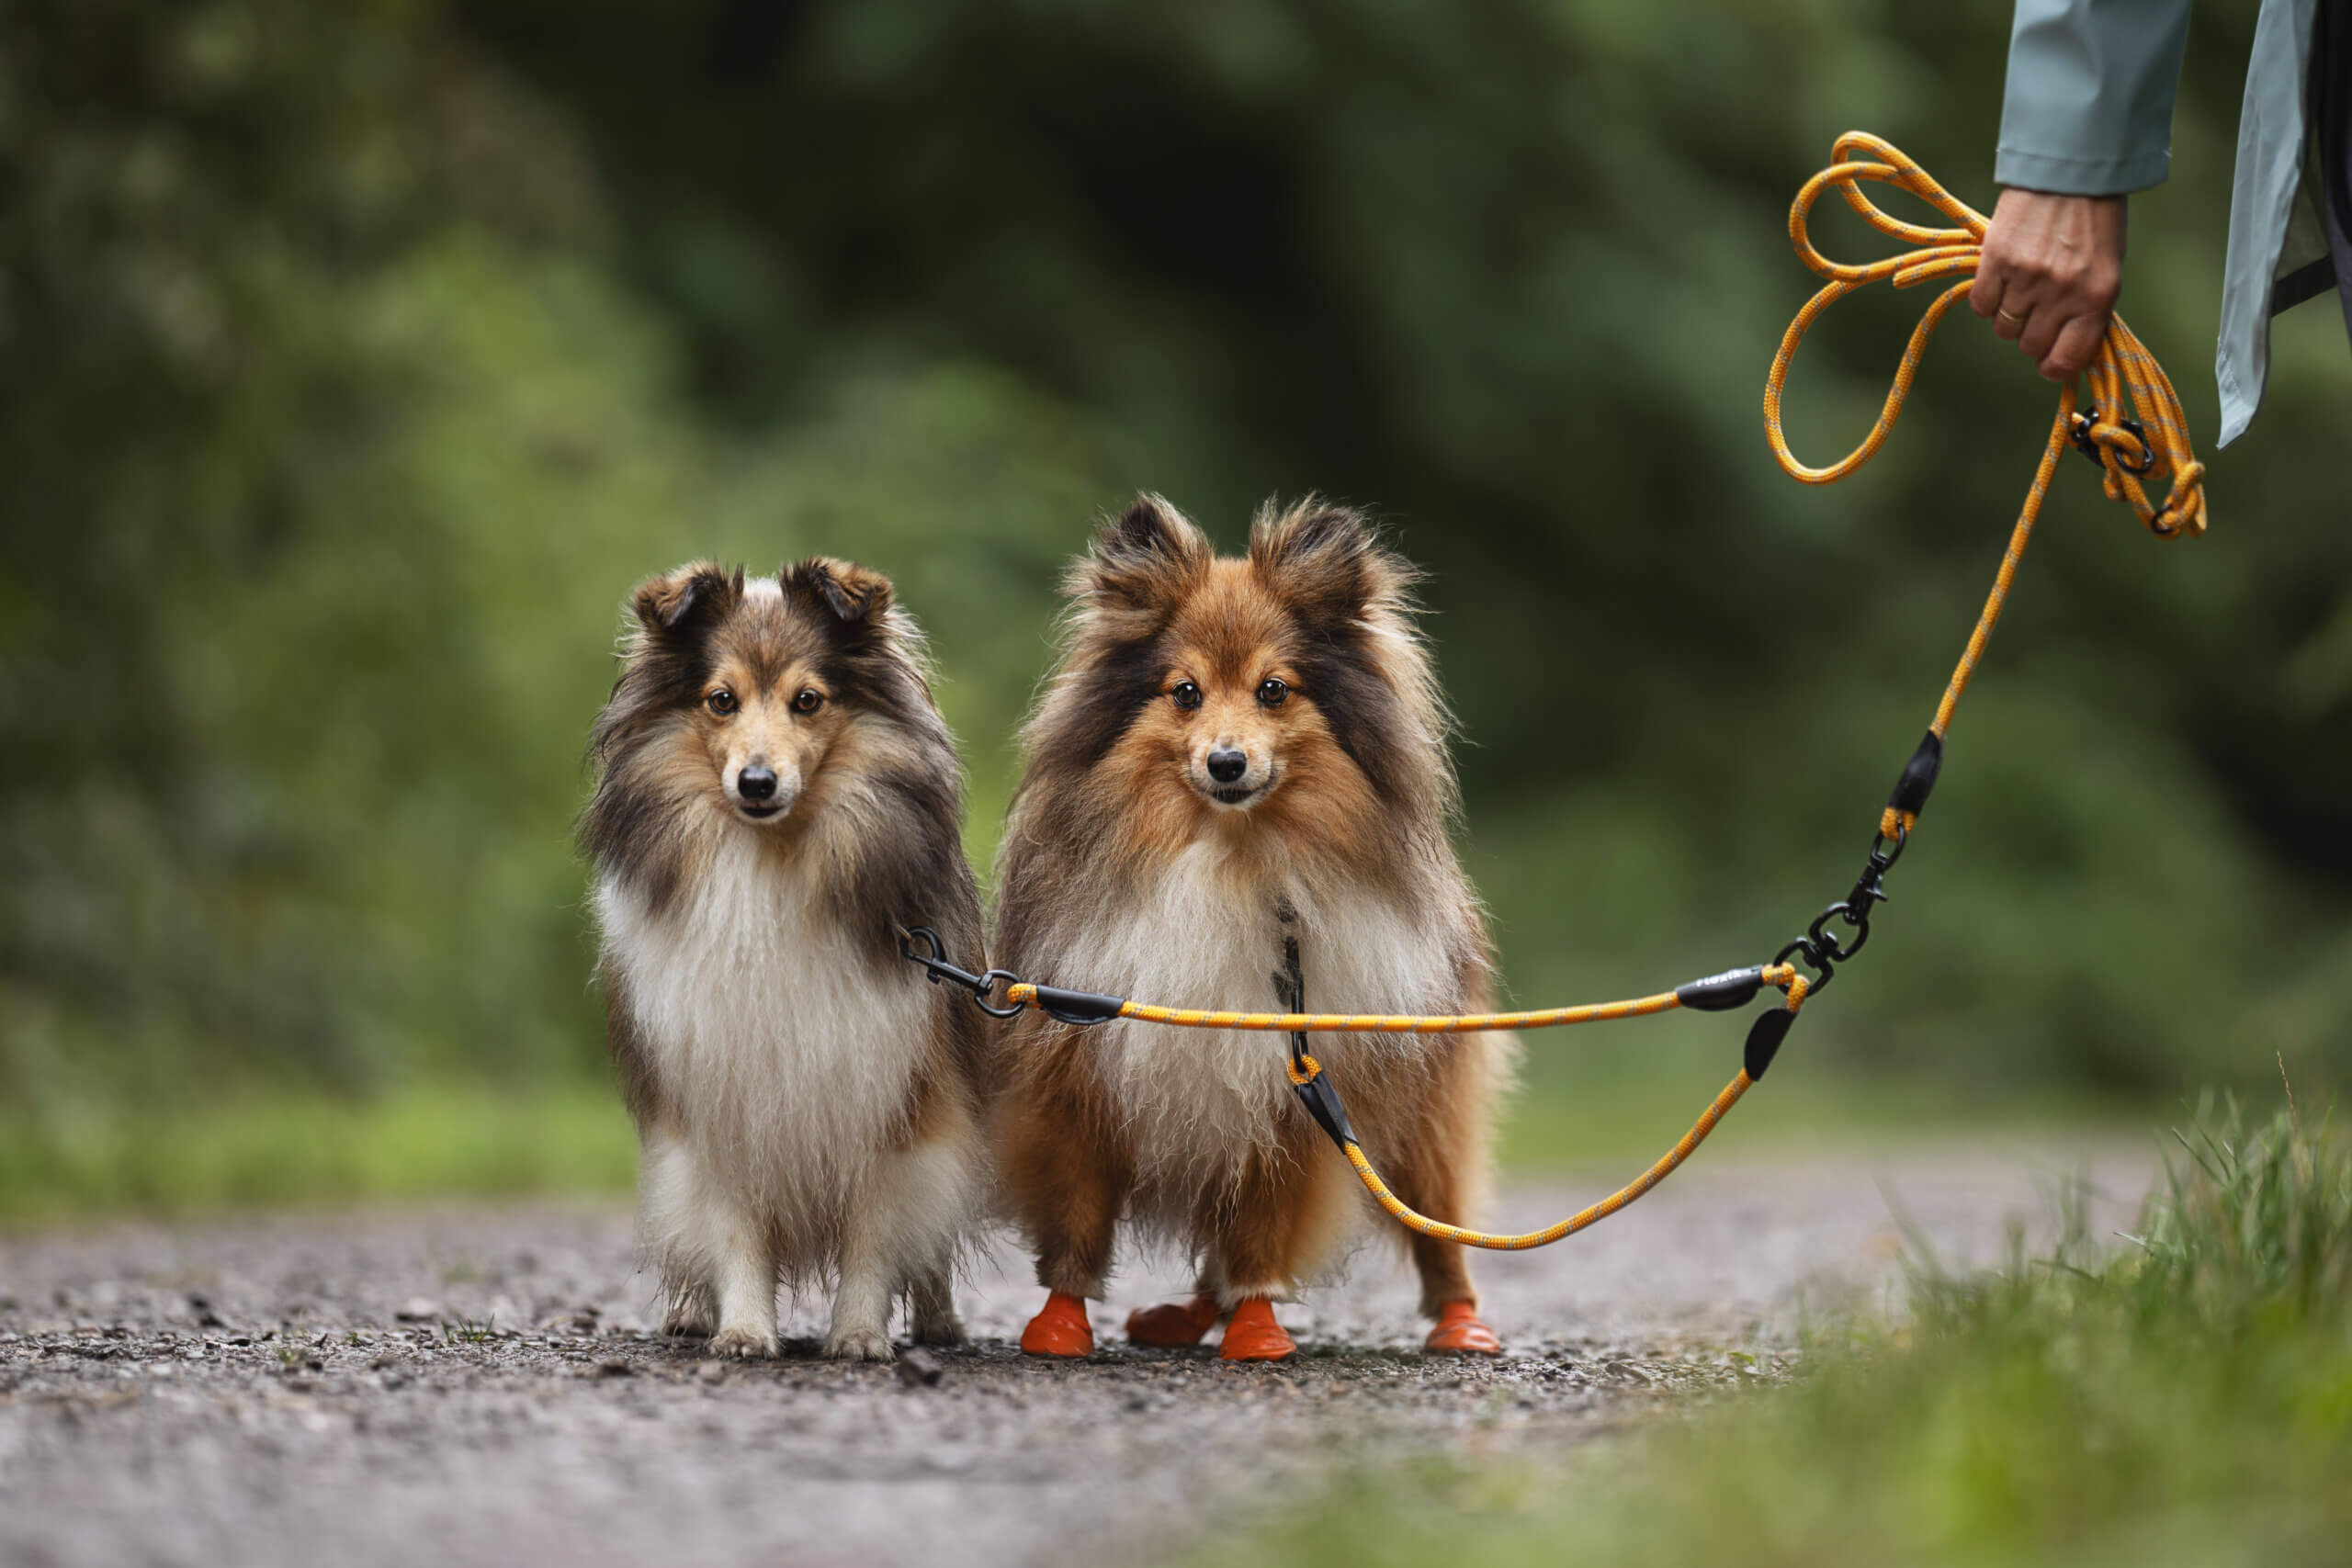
<point x="466" y="1386"/>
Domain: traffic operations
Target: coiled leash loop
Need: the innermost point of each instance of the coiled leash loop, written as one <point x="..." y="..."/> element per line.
<point x="2123" y="375"/>
<point x="2150" y="444"/>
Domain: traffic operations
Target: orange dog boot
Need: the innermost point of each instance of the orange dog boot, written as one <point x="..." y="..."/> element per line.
<point x="1059" y="1328"/>
<point x="1173" y="1323"/>
<point x="1254" y="1336"/>
<point x="1460" y="1333"/>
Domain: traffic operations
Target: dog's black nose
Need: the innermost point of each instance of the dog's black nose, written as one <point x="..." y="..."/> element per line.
<point x="756" y="783"/>
<point x="1227" y="765"/>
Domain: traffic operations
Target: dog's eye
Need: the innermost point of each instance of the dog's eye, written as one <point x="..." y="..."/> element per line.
<point x="1271" y="691"/>
<point x="1187" y="696"/>
<point x="808" y="700"/>
<point x="722" y="702"/>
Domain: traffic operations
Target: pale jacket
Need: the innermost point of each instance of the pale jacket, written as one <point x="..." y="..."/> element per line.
<point x="2088" y="112"/>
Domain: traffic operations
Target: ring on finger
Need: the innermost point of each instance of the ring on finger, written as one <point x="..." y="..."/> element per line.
<point x="2013" y="320"/>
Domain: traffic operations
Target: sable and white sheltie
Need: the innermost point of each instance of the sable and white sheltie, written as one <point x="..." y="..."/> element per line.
<point x="1229" y="756"/>
<point x="777" y="794"/>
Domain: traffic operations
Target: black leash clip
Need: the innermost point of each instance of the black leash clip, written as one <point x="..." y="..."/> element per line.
<point x="1316" y="1090"/>
<point x="1823" y="949"/>
<point x="2088" y="448"/>
<point x="982" y="987"/>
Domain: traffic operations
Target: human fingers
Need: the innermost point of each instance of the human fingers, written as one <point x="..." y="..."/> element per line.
<point x="2075" y="346"/>
<point x="2009" y="263"/>
<point x="2043" y="324"/>
<point x="2013" y="312"/>
<point x="1993" y="277"/>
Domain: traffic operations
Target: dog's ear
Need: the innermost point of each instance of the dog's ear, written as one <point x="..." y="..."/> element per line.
<point x="1324" y="561"/>
<point x="1142" y="561"/>
<point x="687" y="602"/>
<point x="856" y="597"/>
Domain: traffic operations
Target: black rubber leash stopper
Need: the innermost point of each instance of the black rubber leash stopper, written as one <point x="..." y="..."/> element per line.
<point x="1722" y="993"/>
<point x="1322" y="1103"/>
<point x="1764" y="1037"/>
<point x="1911" y="791"/>
<point x="1076" y="1006"/>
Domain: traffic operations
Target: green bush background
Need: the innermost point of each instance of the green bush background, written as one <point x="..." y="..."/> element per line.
<point x="358" y="359"/>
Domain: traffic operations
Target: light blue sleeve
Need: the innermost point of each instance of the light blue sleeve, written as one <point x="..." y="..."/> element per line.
<point x="2088" y="109"/>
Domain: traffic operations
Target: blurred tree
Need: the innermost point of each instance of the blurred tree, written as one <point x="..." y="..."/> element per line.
<point x="360" y="358"/>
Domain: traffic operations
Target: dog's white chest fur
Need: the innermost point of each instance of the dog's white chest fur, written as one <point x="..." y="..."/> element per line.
<point x="1199" y="1099"/>
<point x="784" y="1063"/>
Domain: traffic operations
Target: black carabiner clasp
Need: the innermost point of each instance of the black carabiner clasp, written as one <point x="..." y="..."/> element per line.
<point x="1804" y="947"/>
<point x="1832" y="947"/>
<point x="937" y="969"/>
<point x="937" y="960"/>
<point x="2090" y="447"/>
<point x="987" y="985"/>
<point x="2147" y="453"/>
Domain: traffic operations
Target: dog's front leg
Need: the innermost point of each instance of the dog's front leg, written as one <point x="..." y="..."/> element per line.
<point x="903" y="1221"/>
<point x="743" y="1273"/>
<point x="931" y="1302"/>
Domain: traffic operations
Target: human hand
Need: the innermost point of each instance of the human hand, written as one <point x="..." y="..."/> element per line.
<point x="2051" y="269"/>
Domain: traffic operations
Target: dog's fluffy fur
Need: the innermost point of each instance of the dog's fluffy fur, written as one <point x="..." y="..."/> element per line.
<point x="1129" y="867"/>
<point x="776" y="792"/>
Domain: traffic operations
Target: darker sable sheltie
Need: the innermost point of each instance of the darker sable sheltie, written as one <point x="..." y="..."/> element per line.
<point x="777" y="794"/>
<point x="1233" y="755"/>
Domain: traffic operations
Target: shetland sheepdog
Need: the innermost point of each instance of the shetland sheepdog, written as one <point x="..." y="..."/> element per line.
<point x="776" y="795"/>
<point x="1230" y="756"/>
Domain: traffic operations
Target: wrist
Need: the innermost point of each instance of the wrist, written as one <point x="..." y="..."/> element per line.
<point x="2038" y="193"/>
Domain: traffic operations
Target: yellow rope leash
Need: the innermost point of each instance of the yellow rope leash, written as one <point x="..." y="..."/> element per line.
<point x="1578" y="1221"/>
<point x="2153" y="445"/>
<point x="1021" y="993"/>
<point x="2149" y="444"/>
<point x="1412" y="1219"/>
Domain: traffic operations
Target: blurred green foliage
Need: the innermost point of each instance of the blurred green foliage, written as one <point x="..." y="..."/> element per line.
<point x="252" y="1150"/>
<point x="358" y="359"/>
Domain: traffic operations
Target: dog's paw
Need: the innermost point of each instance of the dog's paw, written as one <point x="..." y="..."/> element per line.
<point x="860" y="1345"/>
<point x="742" y="1345"/>
<point x="945" y="1329"/>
